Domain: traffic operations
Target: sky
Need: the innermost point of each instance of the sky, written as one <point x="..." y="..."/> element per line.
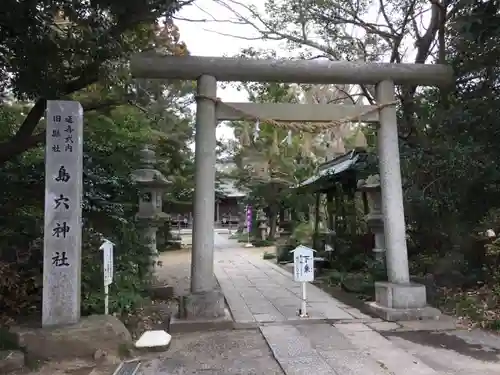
<point x="202" y="42"/>
<point x="205" y="39"/>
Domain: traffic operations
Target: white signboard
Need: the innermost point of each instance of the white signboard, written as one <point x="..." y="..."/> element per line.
<point x="107" y="250"/>
<point x="63" y="213"/>
<point x="303" y="264"/>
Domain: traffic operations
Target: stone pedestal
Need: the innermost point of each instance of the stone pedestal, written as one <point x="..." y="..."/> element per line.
<point x="202" y="311"/>
<point x="203" y="305"/>
<point x="104" y="333"/>
<point x="406" y="301"/>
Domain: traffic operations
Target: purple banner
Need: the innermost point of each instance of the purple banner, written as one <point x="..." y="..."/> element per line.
<point x="249" y="218"/>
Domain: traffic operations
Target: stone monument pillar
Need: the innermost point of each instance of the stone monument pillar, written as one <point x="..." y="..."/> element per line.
<point x="152" y="184"/>
<point x="62" y="253"/>
<point x="374" y="219"/>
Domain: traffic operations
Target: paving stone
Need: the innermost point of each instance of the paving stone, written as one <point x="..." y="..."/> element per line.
<point x="364" y="339"/>
<point x="353" y="362"/>
<point x="399" y="362"/>
<point x="287" y="342"/>
<point x="286" y="302"/>
<point x="330" y="310"/>
<point x="356" y="313"/>
<point x="262" y="318"/>
<point x="289" y="312"/>
<point x="352" y="327"/>
<point x="325" y="337"/>
<point x="310" y="365"/>
<point x="263" y="309"/>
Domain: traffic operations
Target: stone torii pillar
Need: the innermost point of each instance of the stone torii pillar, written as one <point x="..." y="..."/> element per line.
<point x="206" y="300"/>
<point x="396" y="299"/>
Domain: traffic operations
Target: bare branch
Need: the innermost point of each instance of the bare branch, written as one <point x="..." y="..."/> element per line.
<point x="240" y="36"/>
<point x="205" y="20"/>
<point x="386" y="17"/>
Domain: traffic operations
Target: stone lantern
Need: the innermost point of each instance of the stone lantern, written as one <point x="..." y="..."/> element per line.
<point x="374" y="219"/>
<point x="152" y="184"/>
<point x="262" y="220"/>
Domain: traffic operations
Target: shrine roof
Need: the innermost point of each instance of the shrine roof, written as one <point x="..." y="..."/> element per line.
<point x="332" y="170"/>
<point x="227" y="189"/>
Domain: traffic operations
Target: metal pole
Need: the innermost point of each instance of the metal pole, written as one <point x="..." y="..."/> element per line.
<point x="106" y="299"/>
<point x="202" y="260"/>
<point x="303" y="310"/>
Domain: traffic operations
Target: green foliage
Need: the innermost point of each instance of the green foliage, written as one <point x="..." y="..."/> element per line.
<point x="132" y="261"/>
<point x="268" y="255"/>
<point x="303" y="234"/>
<point x="70" y="42"/>
<point x="284" y="253"/>
<point x="62" y="50"/>
<point x="8" y="340"/>
<point x="262" y="243"/>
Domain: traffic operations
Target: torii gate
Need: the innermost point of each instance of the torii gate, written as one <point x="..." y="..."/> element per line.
<point x="395" y="300"/>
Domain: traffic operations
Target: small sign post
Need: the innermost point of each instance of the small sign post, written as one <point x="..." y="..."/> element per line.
<point x="108" y="268"/>
<point x="303" y="271"/>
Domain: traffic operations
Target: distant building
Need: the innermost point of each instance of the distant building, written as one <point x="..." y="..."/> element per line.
<point x="227" y="197"/>
<point x="227" y="200"/>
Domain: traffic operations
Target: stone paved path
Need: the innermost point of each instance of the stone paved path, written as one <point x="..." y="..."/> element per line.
<point x="336" y="339"/>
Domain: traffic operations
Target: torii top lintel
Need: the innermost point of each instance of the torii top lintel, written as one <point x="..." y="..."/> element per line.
<point x="291" y="71"/>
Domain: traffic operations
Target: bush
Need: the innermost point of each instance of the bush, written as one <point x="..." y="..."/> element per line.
<point x="303" y="234"/>
<point x="284" y="254"/>
<point x="132" y="273"/>
<point x="267" y="255"/>
<point x="262" y="243"/>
